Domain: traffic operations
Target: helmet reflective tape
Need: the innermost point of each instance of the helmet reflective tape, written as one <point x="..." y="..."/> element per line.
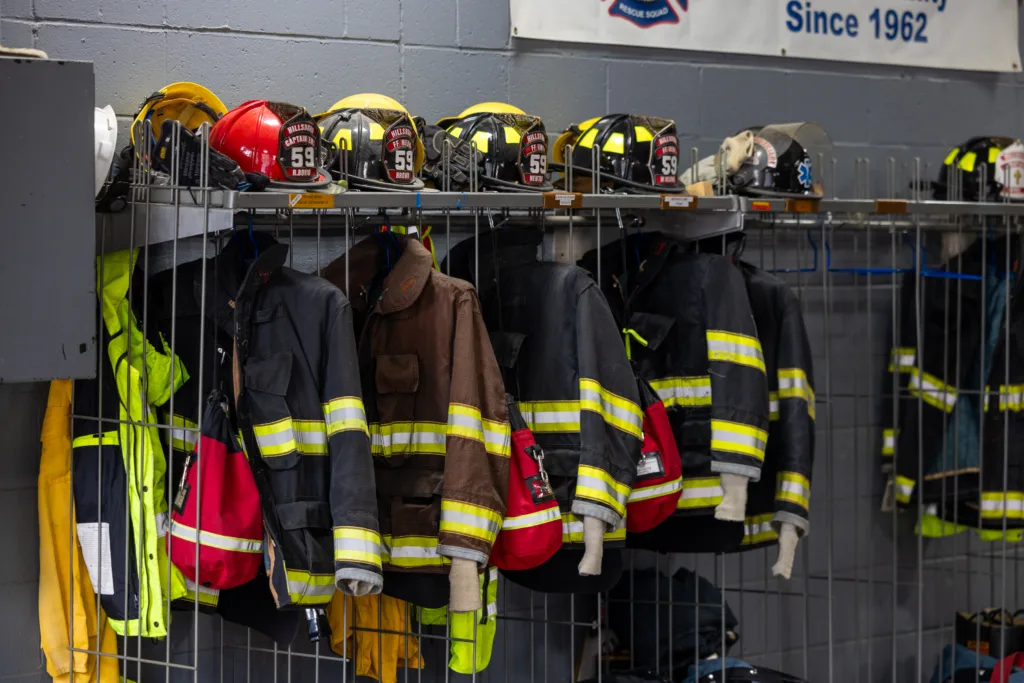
<point x="483" y="141"/>
<point x="588" y="139"/>
<point x="512" y="136"/>
<point x="616" y="144"/>
<point x="951" y="157"/>
<point x="993" y="154"/>
<point x="376" y="131"/>
<point x="967" y="162"/>
<point x="642" y="134"/>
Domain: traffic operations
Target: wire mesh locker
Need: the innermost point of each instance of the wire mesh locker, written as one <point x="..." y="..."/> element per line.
<point x="876" y="587"/>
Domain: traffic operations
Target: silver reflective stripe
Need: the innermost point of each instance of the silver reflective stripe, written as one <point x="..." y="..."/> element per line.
<point x="467" y="421"/>
<point x="903" y="360"/>
<point x="414" y="552"/>
<point x="908" y="489"/>
<point x="500" y="439"/>
<point x="1012" y="505"/>
<point x="588" y="394"/>
<point x="475" y="521"/>
<point x="162" y="519"/>
<point x="671" y="392"/>
<point x="572" y="527"/>
<point x="339" y="414"/>
<point x="795" y="488"/>
<point x="773" y="407"/>
<point x="531" y="519"/>
<point x="655" y="491"/>
<point x="492" y="609"/>
<point x="602" y="486"/>
<point x="200" y="588"/>
<point x="184" y="435"/>
<point x="541" y="417"/>
<point x="890" y="441"/>
<point x="792" y="383"/>
<point x="216" y="540"/>
<point x="357" y="544"/>
<point x="736" y="438"/>
<point x="310" y="590"/>
<point x="492" y="574"/>
<point x="734" y="348"/>
<point x="407" y="438"/>
<point x="311" y="437"/>
<point x="754" y="529"/>
<point x="277" y="438"/>
<point x="945" y="395"/>
<point x="703" y="492"/>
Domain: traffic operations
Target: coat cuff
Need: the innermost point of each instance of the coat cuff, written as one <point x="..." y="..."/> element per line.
<point x="583" y="508"/>
<point x="343" y="575"/>
<point x="465" y="553"/>
<point x="803" y="525"/>
<point x="749" y="471"/>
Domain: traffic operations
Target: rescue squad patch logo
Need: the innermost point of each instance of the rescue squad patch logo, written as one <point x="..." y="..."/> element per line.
<point x="300" y="140"/>
<point x="534" y="158"/>
<point x="646" y="13"/>
<point x="400" y="152"/>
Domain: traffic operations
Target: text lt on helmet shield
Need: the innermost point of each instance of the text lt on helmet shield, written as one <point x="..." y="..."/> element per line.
<point x="299" y="143"/>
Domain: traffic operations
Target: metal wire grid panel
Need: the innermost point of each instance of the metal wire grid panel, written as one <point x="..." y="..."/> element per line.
<point x="870" y="599"/>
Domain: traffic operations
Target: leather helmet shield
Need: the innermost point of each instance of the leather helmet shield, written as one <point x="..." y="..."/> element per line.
<point x="533" y="147"/>
<point x="399" y="146"/>
<point x="664" y="149"/>
<point x="299" y="149"/>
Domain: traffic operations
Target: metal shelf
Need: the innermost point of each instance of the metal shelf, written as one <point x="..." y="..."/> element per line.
<point x="160" y="213"/>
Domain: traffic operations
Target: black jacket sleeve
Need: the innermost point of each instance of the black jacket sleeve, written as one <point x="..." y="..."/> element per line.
<point x="739" y="385"/>
<point x="357" y="542"/>
<point x="611" y="423"/>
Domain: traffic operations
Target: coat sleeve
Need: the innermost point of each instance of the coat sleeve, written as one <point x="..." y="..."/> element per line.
<point x="611" y="422"/>
<point x="357" y="542"/>
<point x="478" y="443"/>
<point x="900" y="447"/>
<point x="739" y="385"/>
<point x="796" y="418"/>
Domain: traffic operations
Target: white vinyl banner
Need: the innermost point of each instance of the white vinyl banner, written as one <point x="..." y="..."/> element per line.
<point x="979" y="35"/>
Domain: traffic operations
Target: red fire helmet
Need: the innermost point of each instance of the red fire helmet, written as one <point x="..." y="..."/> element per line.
<point x="278" y="140"/>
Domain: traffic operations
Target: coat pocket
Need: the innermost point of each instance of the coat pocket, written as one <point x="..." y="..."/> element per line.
<point x="266" y="381"/>
<point x="308" y="541"/>
<point x="397" y="379"/>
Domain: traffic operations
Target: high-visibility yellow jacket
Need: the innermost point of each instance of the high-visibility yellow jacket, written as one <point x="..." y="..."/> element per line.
<point x="62" y="602"/>
<point x="134" y="377"/>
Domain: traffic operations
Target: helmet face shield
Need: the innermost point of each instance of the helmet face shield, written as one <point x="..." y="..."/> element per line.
<point x="781" y="163"/>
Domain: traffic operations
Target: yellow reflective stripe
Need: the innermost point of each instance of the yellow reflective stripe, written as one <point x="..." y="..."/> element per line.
<point x="470" y="520"/>
<point x="773" y="406"/>
<point x="275" y="439"/>
<point x="408" y="437"/>
<point x="735" y="437"/>
<point x="793" y="488"/>
<point x="355" y="544"/>
<point x="466" y="422"/>
<point x="310" y="437"/>
<point x="932" y="390"/>
<point x="889" y="442"/>
<point x="758" y="529"/>
<point x="204" y="595"/>
<point x="104" y="439"/>
<point x="904" y="489"/>
<point x="902" y="358"/>
<point x="968" y="161"/>
<point x="1011" y="397"/>
<point x="641" y="492"/>
<point x="588" y="138"/>
<point x="482" y="138"/>
<point x="544" y="417"/>
<point x="531" y="519"/>
<point x="999" y="504"/>
<point x="184" y="433"/>
<point x="700" y="493"/>
<point x="595" y="484"/>
<point x="309" y="589"/>
<point x="512" y="136"/>
<point x="572" y="530"/>
<point x="642" y="134"/>
<point x="345" y="414"/>
<point x="208" y="538"/>
<point x="951" y="157"/>
<point x="793" y="383"/>
<point x="993" y="154"/>
<point x="683" y="392"/>
<point x="615" y="144"/>
<point x="735" y="348"/>
<point x="412" y="551"/>
<point x="617" y="411"/>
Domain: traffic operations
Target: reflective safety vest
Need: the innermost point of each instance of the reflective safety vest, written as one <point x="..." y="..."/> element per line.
<point x="470" y="631"/>
<point x="125" y="455"/>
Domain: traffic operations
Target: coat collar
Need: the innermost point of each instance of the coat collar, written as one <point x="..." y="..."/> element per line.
<point x="402" y="286"/>
<point x="228" y="279"/>
<point x="499" y="249"/>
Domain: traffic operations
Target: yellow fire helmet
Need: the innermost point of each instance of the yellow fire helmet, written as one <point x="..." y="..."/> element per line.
<point x="378" y="142"/>
<point x="632" y="153"/>
<point x="499" y="144"/>
<point x="189" y="103"/>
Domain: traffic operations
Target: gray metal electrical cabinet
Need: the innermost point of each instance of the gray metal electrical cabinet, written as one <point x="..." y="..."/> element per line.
<point x="47" y="220"/>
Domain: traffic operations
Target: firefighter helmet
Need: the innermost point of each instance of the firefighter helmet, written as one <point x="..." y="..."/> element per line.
<point x="633" y="153"/>
<point x="273" y="139"/>
<point x="967" y="166"/>
<point x="189" y="103"/>
<point x="501" y="145"/>
<point x="780" y="165"/>
<point x="378" y="142"/>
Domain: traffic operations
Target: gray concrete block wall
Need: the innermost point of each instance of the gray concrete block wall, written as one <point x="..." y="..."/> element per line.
<point x="442" y="56"/>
